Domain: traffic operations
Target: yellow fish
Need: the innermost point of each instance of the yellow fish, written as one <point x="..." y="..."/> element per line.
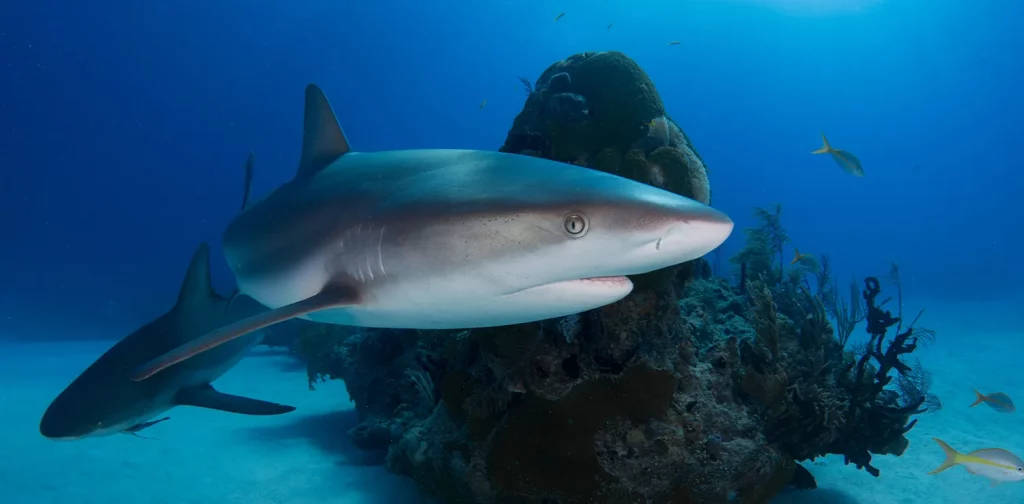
<point x="675" y="42"/>
<point x="482" y="104"/>
<point x="996" y="464"/>
<point x="559" y="16"/>
<point x="848" y="162"/>
<point x="797" y="256"/>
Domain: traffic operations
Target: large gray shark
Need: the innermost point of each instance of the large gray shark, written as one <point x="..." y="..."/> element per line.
<point x="102" y="400"/>
<point x="445" y="239"/>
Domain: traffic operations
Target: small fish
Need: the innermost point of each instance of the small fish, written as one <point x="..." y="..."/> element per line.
<point x="134" y="430"/>
<point x="797" y="257"/>
<point x="609" y="26"/>
<point x="518" y="387"/>
<point x="848" y="162"/>
<point x="996" y="464"/>
<point x="559" y="16"/>
<point x="675" y="42"/>
<point x="482" y="104"/>
<point x="997" y="401"/>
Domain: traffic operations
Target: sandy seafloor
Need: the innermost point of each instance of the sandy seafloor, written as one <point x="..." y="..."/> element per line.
<point x="209" y="457"/>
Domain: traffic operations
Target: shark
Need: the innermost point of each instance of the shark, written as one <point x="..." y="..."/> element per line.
<point x="102" y="400"/>
<point x="445" y="238"/>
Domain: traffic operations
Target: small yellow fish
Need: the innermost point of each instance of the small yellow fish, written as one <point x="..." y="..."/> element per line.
<point x="996" y="464"/>
<point x="559" y="16"/>
<point x="848" y="162"/>
<point x="797" y="256"/>
<point x="482" y="104"/>
<point x="996" y="400"/>
<point x="675" y="42"/>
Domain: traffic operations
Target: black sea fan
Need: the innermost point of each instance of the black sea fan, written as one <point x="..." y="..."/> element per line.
<point x="527" y="85"/>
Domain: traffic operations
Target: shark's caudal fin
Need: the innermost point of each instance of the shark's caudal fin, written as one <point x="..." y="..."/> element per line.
<point x="323" y="141"/>
<point x="825" y="149"/>
<point x="331" y="296"/>
<point x="206" y="396"/>
<point x="247" y="188"/>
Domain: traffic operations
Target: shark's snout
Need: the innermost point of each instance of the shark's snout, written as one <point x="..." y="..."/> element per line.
<point x="55" y="425"/>
<point x="695" y="232"/>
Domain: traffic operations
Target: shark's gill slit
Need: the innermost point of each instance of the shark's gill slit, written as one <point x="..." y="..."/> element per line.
<point x="380" y="252"/>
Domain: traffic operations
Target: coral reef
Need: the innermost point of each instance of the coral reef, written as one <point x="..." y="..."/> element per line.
<point x="692" y="389"/>
<point x="602" y="111"/>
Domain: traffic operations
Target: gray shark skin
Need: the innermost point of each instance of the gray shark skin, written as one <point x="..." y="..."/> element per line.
<point x="446" y="239"/>
<point x="102" y="400"/>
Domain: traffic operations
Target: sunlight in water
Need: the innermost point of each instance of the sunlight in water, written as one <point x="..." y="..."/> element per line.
<point x="816" y="6"/>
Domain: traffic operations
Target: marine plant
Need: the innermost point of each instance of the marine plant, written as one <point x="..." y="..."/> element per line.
<point x="770" y="225"/>
<point x="765" y="242"/>
<point x="848" y="311"/>
<point x="873" y="409"/>
<point x="754" y="260"/>
<point x="527" y="85"/>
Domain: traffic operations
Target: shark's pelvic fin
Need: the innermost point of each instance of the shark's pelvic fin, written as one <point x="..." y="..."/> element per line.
<point x="323" y="141"/>
<point x="330" y="297"/>
<point x="249" y="166"/>
<point x="207" y="397"/>
<point x="197" y="287"/>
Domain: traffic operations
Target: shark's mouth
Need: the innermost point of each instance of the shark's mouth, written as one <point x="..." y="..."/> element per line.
<point x="591" y="284"/>
<point x="618" y="281"/>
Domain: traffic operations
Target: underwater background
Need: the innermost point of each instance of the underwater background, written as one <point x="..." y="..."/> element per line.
<point x="125" y="130"/>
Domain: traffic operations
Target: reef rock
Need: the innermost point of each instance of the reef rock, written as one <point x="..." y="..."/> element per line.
<point x="601" y="110"/>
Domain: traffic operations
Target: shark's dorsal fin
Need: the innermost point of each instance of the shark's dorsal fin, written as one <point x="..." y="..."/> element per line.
<point x="250" y="163"/>
<point x="197" y="286"/>
<point x="323" y="142"/>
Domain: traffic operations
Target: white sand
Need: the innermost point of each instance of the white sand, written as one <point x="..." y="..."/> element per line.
<point x="208" y="457"/>
<point x="199" y="456"/>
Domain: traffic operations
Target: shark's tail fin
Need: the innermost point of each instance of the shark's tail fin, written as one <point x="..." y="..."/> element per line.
<point x="826" y="148"/>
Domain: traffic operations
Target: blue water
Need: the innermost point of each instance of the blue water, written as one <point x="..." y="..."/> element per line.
<point x="124" y="129"/>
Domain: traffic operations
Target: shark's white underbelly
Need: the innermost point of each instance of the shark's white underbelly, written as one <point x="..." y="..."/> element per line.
<point x="434" y="300"/>
<point x="450" y="307"/>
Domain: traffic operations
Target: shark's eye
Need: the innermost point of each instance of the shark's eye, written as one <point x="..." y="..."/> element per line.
<point x="1020" y="469"/>
<point x="575" y="225"/>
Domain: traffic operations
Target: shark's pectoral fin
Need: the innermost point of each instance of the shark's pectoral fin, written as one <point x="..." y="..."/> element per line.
<point x="208" y="397"/>
<point x="331" y="296"/>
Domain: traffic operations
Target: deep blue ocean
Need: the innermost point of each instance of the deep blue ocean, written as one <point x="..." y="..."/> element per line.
<point x="124" y="129"/>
